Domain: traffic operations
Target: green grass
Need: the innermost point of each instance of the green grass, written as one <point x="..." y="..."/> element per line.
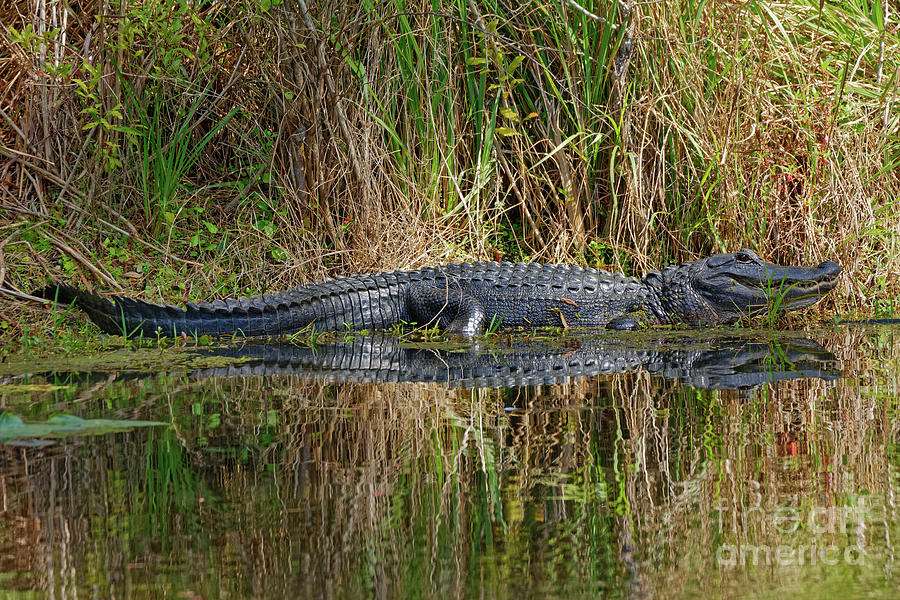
<point x="278" y="147"/>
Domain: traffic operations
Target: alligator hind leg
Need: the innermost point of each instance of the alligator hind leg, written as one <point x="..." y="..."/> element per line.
<point x="450" y="309"/>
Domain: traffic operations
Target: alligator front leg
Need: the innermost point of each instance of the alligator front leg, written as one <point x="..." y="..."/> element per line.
<point x="633" y="320"/>
<point x="452" y="310"/>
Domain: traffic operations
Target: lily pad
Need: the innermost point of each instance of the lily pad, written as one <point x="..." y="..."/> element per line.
<point x="13" y="430"/>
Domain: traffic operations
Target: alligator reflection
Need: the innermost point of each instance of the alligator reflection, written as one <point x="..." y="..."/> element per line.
<point x="621" y="485"/>
<point x="722" y="363"/>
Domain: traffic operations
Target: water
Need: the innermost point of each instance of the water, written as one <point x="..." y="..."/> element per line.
<point x="680" y="466"/>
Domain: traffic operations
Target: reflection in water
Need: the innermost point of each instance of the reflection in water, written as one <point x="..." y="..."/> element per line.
<point x="714" y="361"/>
<point x="623" y="484"/>
<point x="718" y="362"/>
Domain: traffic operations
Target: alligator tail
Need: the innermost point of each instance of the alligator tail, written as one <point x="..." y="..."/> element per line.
<point x="269" y="315"/>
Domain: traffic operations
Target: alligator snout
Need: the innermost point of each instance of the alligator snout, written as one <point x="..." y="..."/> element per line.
<point x="830" y="268"/>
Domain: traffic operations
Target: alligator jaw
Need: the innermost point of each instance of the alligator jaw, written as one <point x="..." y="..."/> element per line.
<point x="742" y="284"/>
<point x="792" y="288"/>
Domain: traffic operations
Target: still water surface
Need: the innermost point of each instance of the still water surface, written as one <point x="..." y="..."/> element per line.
<point x="753" y="467"/>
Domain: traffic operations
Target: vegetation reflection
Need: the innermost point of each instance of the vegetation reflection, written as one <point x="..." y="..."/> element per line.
<point x="622" y="485"/>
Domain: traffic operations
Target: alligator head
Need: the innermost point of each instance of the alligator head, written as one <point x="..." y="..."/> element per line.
<point x="725" y="288"/>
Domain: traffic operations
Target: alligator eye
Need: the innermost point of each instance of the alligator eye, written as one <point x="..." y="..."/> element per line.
<point x="742" y="257"/>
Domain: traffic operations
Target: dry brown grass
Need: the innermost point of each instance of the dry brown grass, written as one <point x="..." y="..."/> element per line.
<point x="363" y="139"/>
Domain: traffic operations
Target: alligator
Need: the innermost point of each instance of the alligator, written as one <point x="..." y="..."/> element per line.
<point x="468" y="298"/>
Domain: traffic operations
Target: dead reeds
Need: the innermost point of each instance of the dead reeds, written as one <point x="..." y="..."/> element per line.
<point x="214" y="149"/>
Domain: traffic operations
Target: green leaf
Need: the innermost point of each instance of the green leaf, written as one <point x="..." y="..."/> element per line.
<point x="514" y="64"/>
<point x="125" y="129"/>
<point x="509" y="114"/>
<point x="13" y="430"/>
